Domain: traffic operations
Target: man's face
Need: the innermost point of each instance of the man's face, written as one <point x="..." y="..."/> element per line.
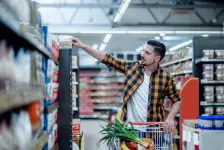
<point x="148" y="56"/>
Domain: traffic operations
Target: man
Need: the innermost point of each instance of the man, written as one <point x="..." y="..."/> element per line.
<point x="146" y="84"/>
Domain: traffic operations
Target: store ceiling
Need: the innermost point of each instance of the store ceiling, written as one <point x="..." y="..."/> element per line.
<point x="75" y="16"/>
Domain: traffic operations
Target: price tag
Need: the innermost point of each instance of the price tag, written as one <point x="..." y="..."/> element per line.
<point x="188" y="136"/>
<point x="196" y="138"/>
<point x="204" y="103"/>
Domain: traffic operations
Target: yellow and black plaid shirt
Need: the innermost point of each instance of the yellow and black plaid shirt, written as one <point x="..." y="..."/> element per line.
<point x="161" y="85"/>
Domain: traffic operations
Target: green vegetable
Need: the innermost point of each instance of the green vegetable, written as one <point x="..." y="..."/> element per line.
<point x="120" y="130"/>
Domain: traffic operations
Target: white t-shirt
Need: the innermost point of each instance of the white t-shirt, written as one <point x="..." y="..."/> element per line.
<point x="138" y="102"/>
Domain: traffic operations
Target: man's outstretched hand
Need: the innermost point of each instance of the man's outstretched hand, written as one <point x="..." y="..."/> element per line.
<point x="77" y="43"/>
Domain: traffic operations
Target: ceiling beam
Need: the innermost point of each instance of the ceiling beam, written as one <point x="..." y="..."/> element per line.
<point x="93" y="5"/>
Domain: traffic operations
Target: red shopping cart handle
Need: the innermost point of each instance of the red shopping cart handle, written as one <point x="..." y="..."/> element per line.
<point x="147" y="123"/>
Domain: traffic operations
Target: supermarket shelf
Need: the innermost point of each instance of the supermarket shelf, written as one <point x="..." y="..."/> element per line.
<point x="102" y="75"/>
<point x="105" y="94"/>
<point x="56" y="147"/>
<point x="75" y="83"/>
<point x="181" y="72"/>
<point x="94" y="116"/>
<point x="75" y="109"/>
<point x="15" y="99"/>
<point x="106" y="88"/>
<point x="103" y="107"/>
<point x="176" y="61"/>
<point x="38" y="144"/>
<point x="211" y="104"/>
<point x="176" y="137"/>
<point x="206" y="60"/>
<point x="11" y="26"/>
<point x="92" y="67"/>
<point x="52" y="107"/>
<point x="211" y="82"/>
<point x="75" y="67"/>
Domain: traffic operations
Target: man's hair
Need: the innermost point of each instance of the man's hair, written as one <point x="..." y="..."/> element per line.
<point x="159" y="48"/>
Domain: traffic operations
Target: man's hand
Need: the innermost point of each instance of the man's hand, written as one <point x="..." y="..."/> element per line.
<point x="78" y="43"/>
<point x="169" y="125"/>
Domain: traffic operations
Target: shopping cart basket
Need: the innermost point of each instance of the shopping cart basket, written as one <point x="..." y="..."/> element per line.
<point x="151" y="130"/>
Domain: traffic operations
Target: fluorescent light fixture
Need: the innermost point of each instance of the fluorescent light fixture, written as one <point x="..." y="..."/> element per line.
<point x="150" y="32"/>
<point x="95" y="46"/>
<point x="198" y="32"/>
<point x="121" y="10"/>
<point x="180" y="45"/>
<point x="102" y="32"/>
<point x="107" y="38"/>
<point x="205" y="35"/>
<point x="157" y="37"/>
<point x="103" y="46"/>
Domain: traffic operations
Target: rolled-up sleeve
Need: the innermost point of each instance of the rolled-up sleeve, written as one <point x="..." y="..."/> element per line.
<point x="116" y="64"/>
<point x="172" y="91"/>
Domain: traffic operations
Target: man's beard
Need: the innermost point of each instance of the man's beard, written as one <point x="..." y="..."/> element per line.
<point x="149" y="64"/>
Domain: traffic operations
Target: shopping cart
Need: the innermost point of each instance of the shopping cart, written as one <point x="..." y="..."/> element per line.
<point x="149" y="130"/>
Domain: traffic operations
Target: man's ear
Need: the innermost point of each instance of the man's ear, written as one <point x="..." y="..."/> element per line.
<point x="158" y="58"/>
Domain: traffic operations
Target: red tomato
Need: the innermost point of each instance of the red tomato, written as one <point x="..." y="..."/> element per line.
<point x="132" y="146"/>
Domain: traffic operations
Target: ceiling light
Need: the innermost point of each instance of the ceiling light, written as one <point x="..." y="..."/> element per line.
<point x="180" y="45"/>
<point x="121" y="10"/>
<point x="103" y="46"/>
<point x="198" y="32"/>
<point x="107" y="38"/>
<point x="205" y="35"/>
<point x="95" y="46"/>
<point x="157" y="37"/>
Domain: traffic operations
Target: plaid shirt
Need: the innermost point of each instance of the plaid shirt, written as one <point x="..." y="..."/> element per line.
<point x="161" y="85"/>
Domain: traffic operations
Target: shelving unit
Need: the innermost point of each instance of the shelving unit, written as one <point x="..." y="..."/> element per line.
<point x="19" y="96"/>
<point x="100" y="91"/>
<point x="176" y="61"/>
<point x="181" y="72"/>
<point x="200" y="44"/>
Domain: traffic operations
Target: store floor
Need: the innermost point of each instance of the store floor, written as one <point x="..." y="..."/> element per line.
<point x="91" y="129"/>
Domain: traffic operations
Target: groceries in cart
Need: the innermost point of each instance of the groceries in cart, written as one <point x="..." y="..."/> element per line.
<point x="126" y="136"/>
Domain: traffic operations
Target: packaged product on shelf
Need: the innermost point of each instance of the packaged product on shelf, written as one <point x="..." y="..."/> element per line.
<point x="74" y="90"/>
<point x="52" y="90"/>
<point x="208" y="89"/>
<point x="33" y="110"/>
<point x="65" y="41"/>
<point x="74" y="103"/>
<point x="73" y="76"/>
<point x="219" y="89"/>
<point x="219" y="76"/>
<point x="208" y="76"/>
<point x="220" y="98"/>
<point x="209" y="98"/>
<point x="75" y="127"/>
<point x="219" y="53"/>
<point x="219" y="67"/>
<point x="52" y="138"/>
<point x="220" y="110"/>
<point x="74" y="61"/>
<point x="51" y="42"/>
<point x="209" y="110"/>
<point x="50" y="119"/>
<point x="50" y="68"/>
<point x="208" y="67"/>
<point x="208" y="53"/>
